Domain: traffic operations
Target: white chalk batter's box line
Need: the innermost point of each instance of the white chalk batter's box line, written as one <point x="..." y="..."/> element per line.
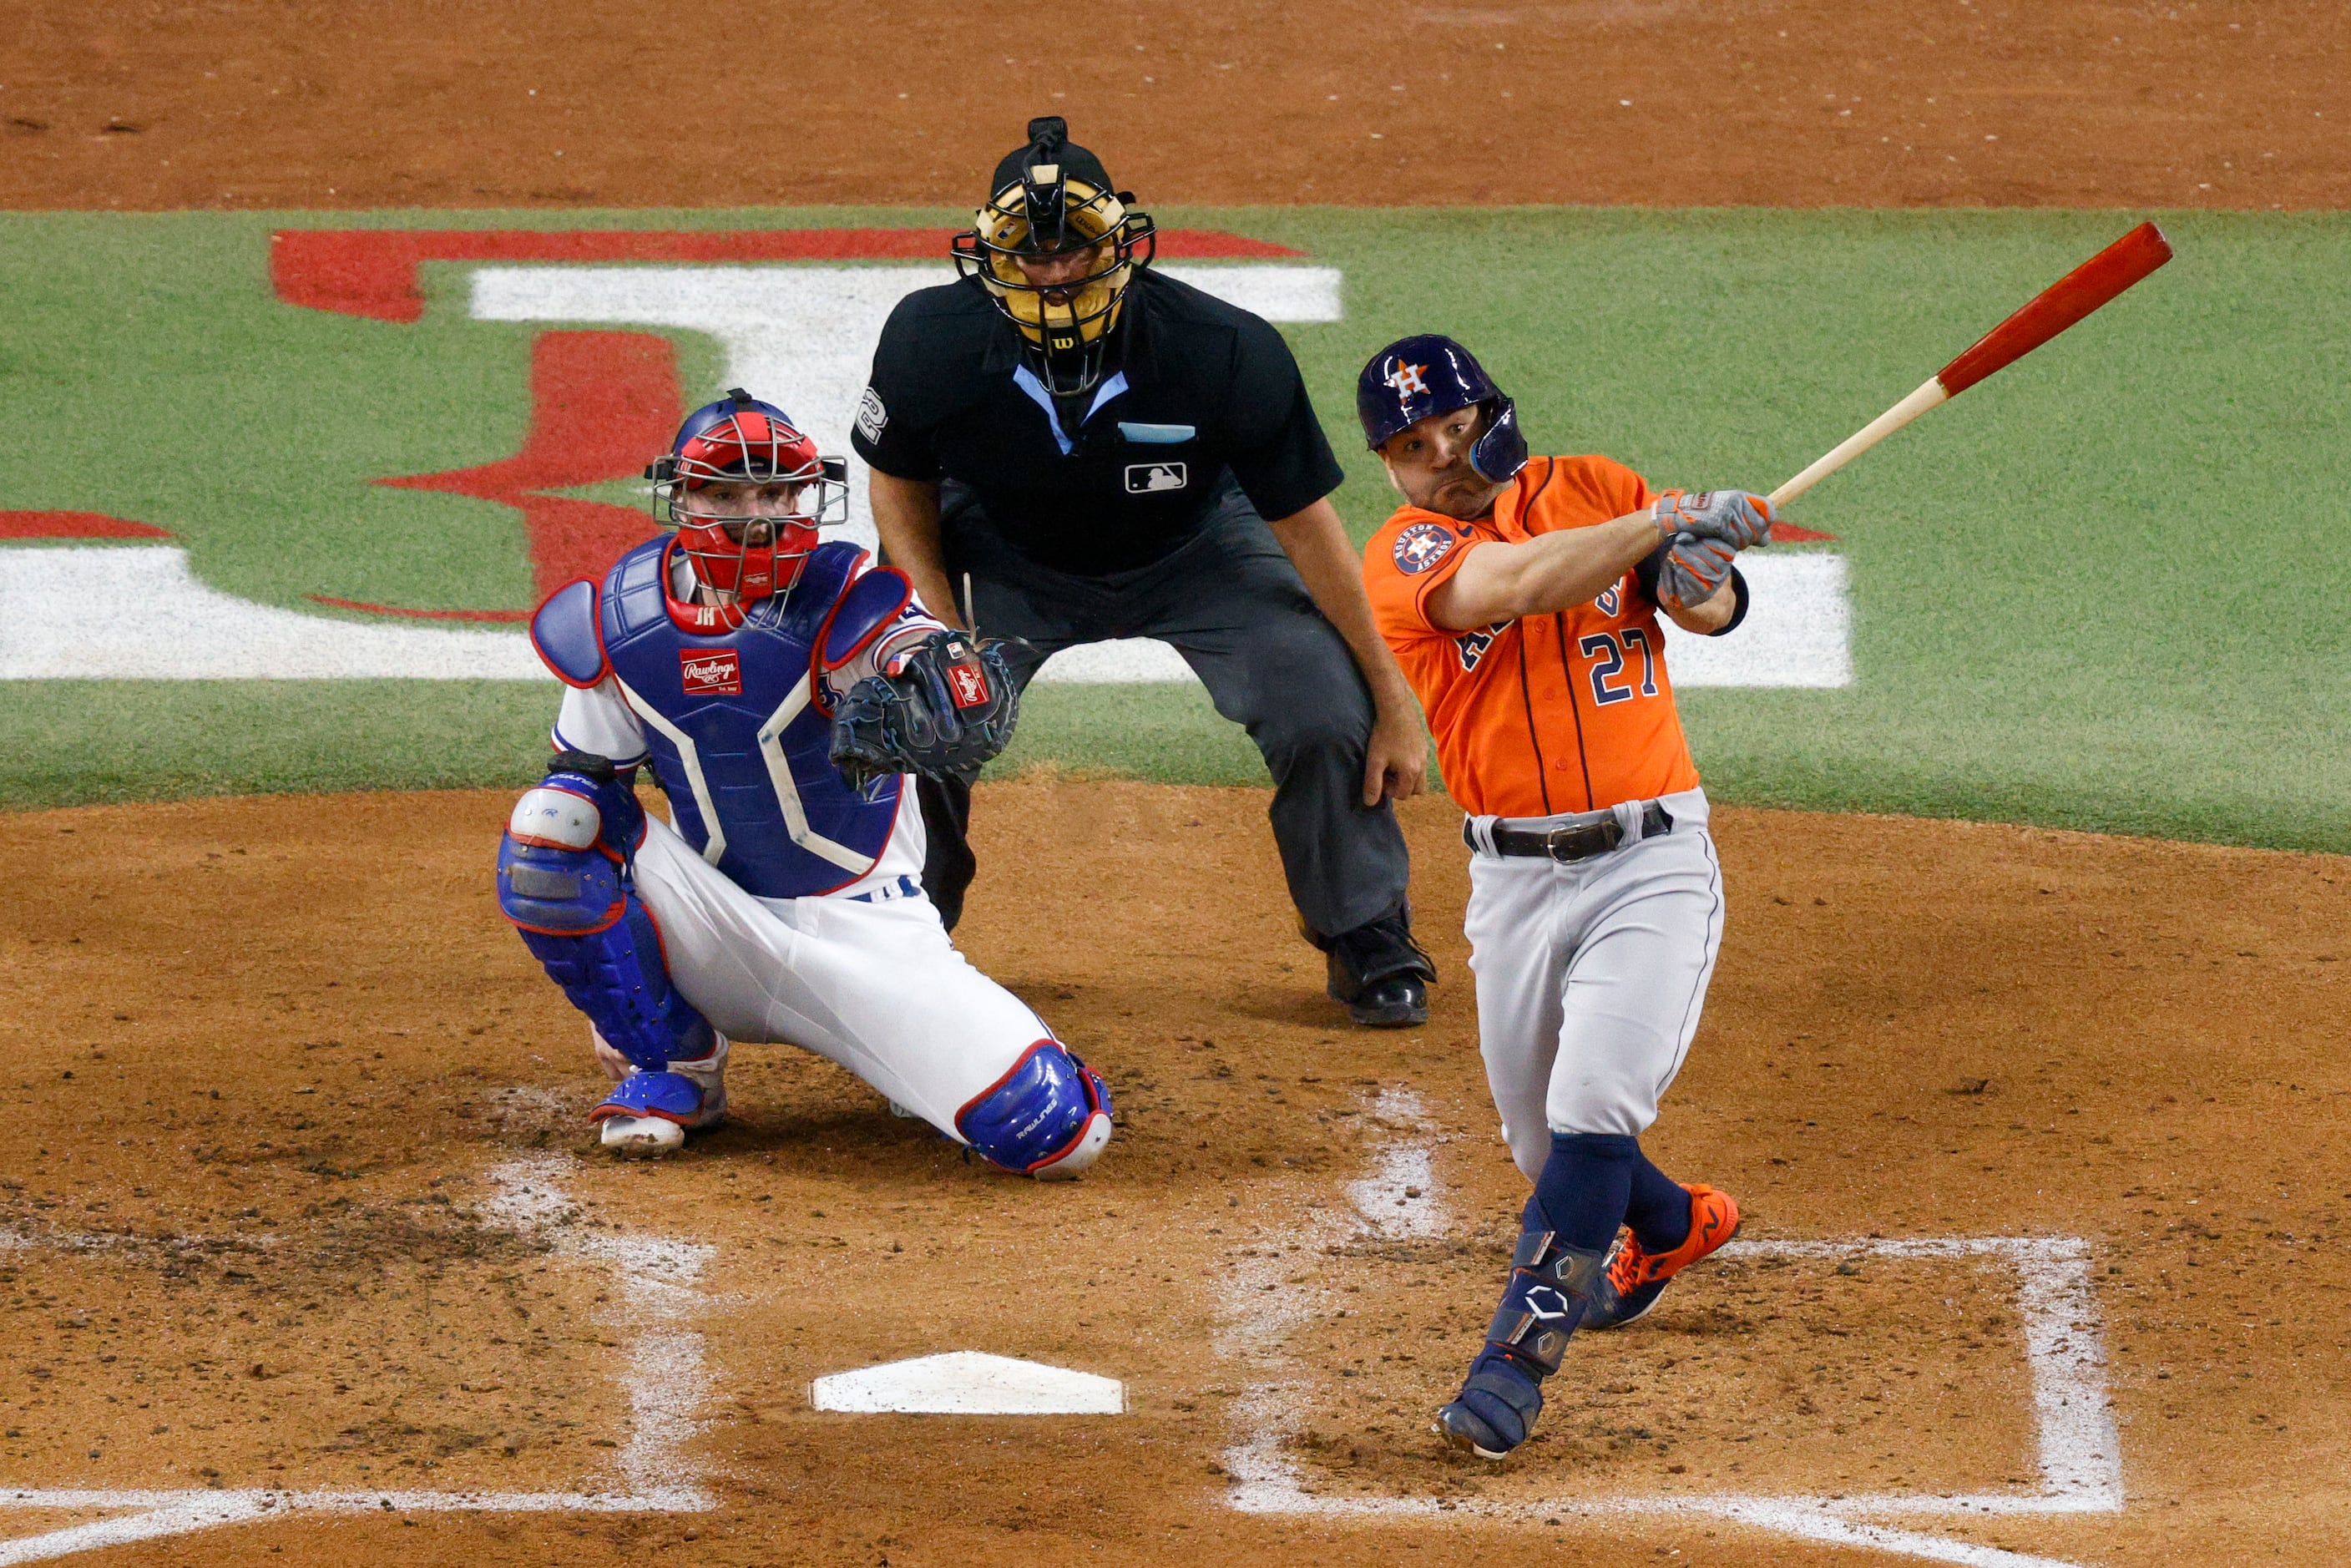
<point x="2079" y="1450"/>
<point x="664" y="1376"/>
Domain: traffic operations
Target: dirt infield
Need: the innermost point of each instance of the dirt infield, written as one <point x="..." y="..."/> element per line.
<point x="251" y="104"/>
<point x="306" y="1255"/>
<point x="300" y="1205"/>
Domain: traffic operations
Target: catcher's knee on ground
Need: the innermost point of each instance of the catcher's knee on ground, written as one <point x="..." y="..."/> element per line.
<point x="1048" y="1117"/>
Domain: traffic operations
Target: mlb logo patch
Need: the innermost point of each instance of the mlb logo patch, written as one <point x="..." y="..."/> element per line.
<point x="719" y="674"/>
<point x="1422" y="546"/>
<point x="1148" y="478"/>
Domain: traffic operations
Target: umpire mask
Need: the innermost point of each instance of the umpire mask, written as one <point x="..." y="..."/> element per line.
<point x="1054" y="207"/>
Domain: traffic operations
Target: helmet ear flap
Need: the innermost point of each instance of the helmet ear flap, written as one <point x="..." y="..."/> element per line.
<point x="1501" y="451"/>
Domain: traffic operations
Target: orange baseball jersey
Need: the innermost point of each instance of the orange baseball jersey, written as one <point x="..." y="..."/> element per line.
<point x="1565" y="712"/>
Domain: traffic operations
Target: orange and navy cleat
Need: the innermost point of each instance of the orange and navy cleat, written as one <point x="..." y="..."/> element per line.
<point x="1635" y="1277"/>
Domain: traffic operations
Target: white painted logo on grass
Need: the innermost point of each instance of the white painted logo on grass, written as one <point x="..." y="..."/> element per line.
<point x="968" y="1383"/>
<point x="1798" y="631"/>
<point x="184" y="630"/>
<point x="807" y="335"/>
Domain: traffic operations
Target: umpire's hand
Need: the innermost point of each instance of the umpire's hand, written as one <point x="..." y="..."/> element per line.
<point x="1395" y="762"/>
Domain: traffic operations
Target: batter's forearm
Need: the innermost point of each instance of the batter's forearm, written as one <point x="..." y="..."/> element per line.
<point x="1535" y="576"/>
<point x="906" y="520"/>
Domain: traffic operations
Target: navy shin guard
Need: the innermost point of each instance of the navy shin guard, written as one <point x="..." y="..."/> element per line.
<point x="1579" y="1201"/>
<point x="1550" y="1287"/>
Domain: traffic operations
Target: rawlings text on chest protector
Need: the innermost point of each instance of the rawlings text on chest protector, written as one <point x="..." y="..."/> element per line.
<point x="737" y="738"/>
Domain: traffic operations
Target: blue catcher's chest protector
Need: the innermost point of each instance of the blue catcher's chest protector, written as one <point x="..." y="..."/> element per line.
<point x="737" y="741"/>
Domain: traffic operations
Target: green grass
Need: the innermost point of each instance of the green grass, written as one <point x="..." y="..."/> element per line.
<point x="2102" y="589"/>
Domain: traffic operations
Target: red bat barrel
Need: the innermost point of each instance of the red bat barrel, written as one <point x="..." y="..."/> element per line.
<point x="2059" y="306"/>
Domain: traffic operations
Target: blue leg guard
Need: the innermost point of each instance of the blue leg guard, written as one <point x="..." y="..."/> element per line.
<point x="1550" y="1285"/>
<point x="579" y="916"/>
<point x="1048" y="1118"/>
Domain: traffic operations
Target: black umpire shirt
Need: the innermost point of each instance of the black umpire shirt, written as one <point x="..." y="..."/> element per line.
<point x="1119" y="476"/>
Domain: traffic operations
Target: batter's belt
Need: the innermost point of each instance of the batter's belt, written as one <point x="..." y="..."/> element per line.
<point x="1568" y="838"/>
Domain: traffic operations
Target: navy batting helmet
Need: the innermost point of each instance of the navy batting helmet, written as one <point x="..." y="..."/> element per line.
<point x="1414" y="379"/>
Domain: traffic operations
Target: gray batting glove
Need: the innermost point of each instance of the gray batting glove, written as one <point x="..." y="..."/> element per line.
<point x="1694" y="569"/>
<point x="1737" y="517"/>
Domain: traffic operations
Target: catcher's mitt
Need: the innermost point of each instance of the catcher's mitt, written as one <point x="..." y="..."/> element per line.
<point x="949" y="706"/>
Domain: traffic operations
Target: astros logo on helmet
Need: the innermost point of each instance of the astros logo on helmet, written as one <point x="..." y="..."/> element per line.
<point x="1406" y="380"/>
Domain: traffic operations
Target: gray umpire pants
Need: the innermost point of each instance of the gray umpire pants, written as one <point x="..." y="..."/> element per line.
<point x="1231" y="604"/>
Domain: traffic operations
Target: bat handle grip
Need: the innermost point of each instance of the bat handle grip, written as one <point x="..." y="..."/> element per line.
<point x="1929" y="395"/>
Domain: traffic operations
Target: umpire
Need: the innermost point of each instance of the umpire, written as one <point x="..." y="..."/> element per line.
<point x="1107" y="451"/>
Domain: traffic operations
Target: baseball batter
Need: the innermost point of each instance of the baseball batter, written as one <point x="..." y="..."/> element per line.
<point x="1521" y="596"/>
<point x="780" y="688"/>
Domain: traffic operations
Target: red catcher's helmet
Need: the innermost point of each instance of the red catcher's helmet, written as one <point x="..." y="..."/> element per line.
<point x="743" y="557"/>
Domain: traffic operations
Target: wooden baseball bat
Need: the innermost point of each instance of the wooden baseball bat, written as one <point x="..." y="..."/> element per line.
<point x="2048" y="313"/>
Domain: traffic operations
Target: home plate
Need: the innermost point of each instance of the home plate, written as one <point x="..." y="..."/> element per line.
<point x="969" y="1382"/>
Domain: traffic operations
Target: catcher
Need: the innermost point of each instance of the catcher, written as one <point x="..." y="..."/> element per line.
<point x="781" y="689"/>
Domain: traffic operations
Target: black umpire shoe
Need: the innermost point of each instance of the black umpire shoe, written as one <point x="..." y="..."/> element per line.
<point x="1380" y="973"/>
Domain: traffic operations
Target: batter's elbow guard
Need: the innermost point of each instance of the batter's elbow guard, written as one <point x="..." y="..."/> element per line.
<point x="1738" y="604"/>
<point x="1048" y="1117"/>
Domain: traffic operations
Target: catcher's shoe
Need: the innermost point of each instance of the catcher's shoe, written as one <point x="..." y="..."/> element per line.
<point x="648" y="1114"/>
<point x="1380" y="973"/>
<point x="1636" y="1276"/>
<point x="1551" y="1287"/>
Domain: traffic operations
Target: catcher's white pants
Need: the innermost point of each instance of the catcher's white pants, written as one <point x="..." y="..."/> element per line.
<point x="1591" y="975"/>
<point x="874" y="986"/>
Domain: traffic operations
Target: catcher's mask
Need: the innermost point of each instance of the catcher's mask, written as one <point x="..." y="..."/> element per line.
<point x="1415" y="378"/>
<point x="752" y="546"/>
<point x="1053" y="199"/>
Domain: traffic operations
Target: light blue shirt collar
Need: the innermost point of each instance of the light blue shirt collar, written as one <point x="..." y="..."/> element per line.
<point x="1026" y="380"/>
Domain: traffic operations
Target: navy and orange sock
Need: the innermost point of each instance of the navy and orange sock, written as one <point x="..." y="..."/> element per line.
<point x="1658" y="1208"/>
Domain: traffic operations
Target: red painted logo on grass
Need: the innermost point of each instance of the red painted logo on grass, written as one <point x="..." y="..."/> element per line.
<point x="719" y="674"/>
